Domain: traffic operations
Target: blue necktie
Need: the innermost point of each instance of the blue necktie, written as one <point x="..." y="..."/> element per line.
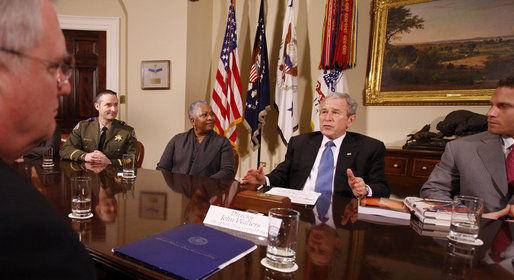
<point x="324" y="180"/>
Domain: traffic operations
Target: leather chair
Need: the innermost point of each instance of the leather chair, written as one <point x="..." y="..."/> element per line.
<point x="236" y="161"/>
<point x="140" y="153"/>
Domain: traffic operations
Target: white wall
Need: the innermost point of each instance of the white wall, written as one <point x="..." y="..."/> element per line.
<point x="190" y="34"/>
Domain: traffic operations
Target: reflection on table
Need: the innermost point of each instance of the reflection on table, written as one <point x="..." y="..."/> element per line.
<point x="343" y="247"/>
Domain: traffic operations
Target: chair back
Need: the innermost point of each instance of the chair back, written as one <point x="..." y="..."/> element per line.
<point x="140" y="153"/>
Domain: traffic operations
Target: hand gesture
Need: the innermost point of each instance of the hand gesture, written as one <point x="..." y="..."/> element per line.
<point x="357" y="184"/>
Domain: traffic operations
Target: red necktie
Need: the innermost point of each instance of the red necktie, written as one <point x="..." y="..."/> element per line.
<point x="509" y="164"/>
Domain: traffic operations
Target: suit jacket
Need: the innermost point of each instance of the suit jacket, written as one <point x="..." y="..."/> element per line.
<point x="472" y="165"/>
<point x="85" y="137"/>
<point x="36" y="240"/>
<point x="364" y="155"/>
<point x="215" y="156"/>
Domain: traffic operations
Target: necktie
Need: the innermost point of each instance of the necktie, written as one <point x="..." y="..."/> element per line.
<point x="324" y="180"/>
<point x="509" y="164"/>
<point x="102" y="139"/>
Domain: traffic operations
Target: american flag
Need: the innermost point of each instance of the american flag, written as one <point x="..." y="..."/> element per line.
<point x="226" y="100"/>
<point x="286" y="89"/>
<point x="257" y="98"/>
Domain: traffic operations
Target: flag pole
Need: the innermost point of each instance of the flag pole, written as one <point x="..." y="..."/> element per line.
<point x="259" y="150"/>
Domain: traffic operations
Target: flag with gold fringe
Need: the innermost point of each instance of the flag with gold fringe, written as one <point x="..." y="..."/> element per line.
<point x="286" y="89"/>
<point x="258" y="95"/>
<point x="227" y="102"/>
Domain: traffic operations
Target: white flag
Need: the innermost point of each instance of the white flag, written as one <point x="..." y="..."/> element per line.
<point x="329" y="81"/>
<point x="286" y="90"/>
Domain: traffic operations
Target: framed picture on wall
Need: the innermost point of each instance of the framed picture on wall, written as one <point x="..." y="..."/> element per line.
<point x="152" y="205"/>
<point x="438" y="52"/>
<point x="155" y="74"/>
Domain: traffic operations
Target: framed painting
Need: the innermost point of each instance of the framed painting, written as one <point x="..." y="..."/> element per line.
<point x="155" y="74"/>
<point x="152" y="205"/>
<point x="442" y="52"/>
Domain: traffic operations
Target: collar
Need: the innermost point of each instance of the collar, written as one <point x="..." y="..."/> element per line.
<point x="507" y="142"/>
<point x="337" y="142"/>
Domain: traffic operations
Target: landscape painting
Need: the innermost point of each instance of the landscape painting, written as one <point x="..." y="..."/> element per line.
<point x="441" y="51"/>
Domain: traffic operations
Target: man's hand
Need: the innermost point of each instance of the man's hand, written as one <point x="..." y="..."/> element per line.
<point x="97" y="157"/>
<point x="357" y="184"/>
<point x="254" y="177"/>
<point x="504" y="212"/>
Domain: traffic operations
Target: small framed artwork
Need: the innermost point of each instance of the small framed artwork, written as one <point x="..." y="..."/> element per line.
<point x="155" y="74"/>
<point x="152" y="205"/>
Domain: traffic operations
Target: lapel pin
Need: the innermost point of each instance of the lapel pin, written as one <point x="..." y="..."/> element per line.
<point x="348" y="154"/>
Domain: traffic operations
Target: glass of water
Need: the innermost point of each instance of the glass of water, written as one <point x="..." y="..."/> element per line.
<point x="48" y="157"/>
<point x="129" y="165"/>
<point x="465" y="222"/>
<point x="282" y="237"/>
<point x="80" y="198"/>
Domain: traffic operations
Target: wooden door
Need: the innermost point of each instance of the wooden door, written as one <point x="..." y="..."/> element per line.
<point x="88" y="78"/>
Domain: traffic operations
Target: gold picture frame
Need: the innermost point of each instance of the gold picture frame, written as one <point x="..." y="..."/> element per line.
<point x="403" y="79"/>
<point x="155" y="74"/>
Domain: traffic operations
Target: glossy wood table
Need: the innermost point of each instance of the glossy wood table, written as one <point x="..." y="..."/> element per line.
<point x="344" y="248"/>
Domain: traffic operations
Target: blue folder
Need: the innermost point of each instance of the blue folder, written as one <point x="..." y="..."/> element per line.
<point x="190" y="251"/>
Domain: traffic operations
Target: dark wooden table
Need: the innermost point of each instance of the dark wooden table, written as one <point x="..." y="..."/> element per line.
<point x="347" y="248"/>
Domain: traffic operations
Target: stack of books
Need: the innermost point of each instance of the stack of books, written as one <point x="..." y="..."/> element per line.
<point x="383" y="211"/>
<point x="430" y="211"/>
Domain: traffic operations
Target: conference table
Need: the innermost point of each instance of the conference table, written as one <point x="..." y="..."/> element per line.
<point x="348" y="246"/>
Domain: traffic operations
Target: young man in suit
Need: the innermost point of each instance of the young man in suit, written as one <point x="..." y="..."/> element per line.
<point x="358" y="164"/>
<point x="476" y="165"/>
<point x="85" y="142"/>
<point x="37" y="241"/>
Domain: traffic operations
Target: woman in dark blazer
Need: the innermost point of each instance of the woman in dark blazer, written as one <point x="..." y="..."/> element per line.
<point x="199" y="151"/>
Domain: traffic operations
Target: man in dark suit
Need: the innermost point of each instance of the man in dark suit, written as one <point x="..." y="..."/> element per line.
<point x="36" y="240"/>
<point x="85" y="142"/>
<point x="359" y="168"/>
<point x="476" y="165"/>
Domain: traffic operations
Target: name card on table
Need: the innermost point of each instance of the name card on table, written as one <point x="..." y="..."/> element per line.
<point x="296" y="196"/>
<point x="250" y="223"/>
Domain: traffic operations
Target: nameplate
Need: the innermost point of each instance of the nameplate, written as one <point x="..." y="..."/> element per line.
<point x="251" y="223"/>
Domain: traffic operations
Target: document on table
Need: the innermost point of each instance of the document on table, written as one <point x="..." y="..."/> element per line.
<point x="296" y="196"/>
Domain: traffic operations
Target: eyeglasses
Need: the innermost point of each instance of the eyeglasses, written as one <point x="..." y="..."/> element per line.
<point x="65" y="65"/>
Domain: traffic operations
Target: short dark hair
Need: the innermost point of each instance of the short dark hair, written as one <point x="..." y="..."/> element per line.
<point x="102" y="93"/>
<point x="506" y="82"/>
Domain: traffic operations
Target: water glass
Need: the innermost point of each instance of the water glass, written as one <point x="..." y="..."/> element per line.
<point x="81" y="198"/>
<point x="129" y="165"/>
<point x="282" y="237"/>
<point x="48" y="157"/>
<point x="465" y="222"/>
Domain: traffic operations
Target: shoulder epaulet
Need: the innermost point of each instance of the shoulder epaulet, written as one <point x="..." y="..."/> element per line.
<point x="91" y="119"/>
<point x="123" y="123"/>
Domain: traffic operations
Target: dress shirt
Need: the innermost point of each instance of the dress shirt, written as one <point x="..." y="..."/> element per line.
<point x="507" y="143"/>
<point x="310" y="184"/>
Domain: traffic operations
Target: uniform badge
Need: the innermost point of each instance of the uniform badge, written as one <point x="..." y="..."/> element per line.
<point x="117" y="138"/>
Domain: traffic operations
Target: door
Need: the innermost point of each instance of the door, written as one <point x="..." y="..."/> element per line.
<point x="88" y="78"/>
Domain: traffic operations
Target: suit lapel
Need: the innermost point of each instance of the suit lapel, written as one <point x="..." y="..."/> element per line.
<point x="489" y="151"/>
<point x="346" y="154"/>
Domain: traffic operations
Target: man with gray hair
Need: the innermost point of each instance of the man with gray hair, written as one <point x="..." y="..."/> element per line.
<point x="36" y="240"/>
<point x="312" y="158"/>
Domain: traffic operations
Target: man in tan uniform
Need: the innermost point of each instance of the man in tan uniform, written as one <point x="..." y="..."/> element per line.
<point x="84" y="142"/>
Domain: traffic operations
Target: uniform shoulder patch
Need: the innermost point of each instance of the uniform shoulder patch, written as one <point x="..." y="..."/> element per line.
<point x="133" y="133"/>
<point x="91" y="119"/>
